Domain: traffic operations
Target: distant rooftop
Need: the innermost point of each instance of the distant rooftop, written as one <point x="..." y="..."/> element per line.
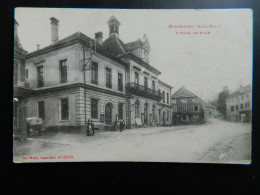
<point x="241" y="90"/>
<point x="183" y="93"/>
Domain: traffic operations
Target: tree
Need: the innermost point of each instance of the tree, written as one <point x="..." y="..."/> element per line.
<point x="221" y="102"/>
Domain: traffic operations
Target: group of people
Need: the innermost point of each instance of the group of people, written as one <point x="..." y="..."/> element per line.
<point x="91" y="129"/>
<point x="121" y="125"/>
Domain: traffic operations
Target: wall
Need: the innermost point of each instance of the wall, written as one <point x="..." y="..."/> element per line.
<point x="50" y="63"/>
<point x="103" y="62"/>
<point x="103" y="99"/>
<point x="237" y="100"/>
<point x="52" y="107"/>
<point x="142" y="75"/>
<point x="166" y="90"/>
<point x="142" y="102"/>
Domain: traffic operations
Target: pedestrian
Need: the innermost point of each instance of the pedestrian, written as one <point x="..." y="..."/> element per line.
<point x="122" y="125"/>
<point x="92" y="127"/>
<point x="115" y="125"/>
<point x="88" y="127"/>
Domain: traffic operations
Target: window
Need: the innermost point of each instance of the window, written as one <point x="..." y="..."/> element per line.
<point x="120" y="82"/>
<point x="167" y="98"/>
<point x="153" y="111"/>
<point x="145" y="83"/>
<point x="242" y="97"/>
<point x="195" y="100"/>
<point x="94" y="73"/>
<point x="163" y="97"/>
<point x="184" y="108"/>
<point x="174" y="101"/>
<point x="40" y="76"/>
<point x="236" y="107"/>
<point x="26" y="73"/>
<point x="136" y="109"/>
<point x="183" y="100"/>
<point x="167" y="117"/>
<point x="153" y="85"/>
<point x="108" y="78"/>
<point x="63" y="71"/>
<point x="94" y="108"/>
<point x="232" y="108"/>
<point x="195" y="108"/>
<point x="120" y="111"/>
<point x="241" y="106"/>
<point x="248" y="104"/>
<point x="247" y="96"/>
<point x="41" y="110"/>
<point x="174" y="108"/>
<point x="64" y="109"/>
<point x="136" y="78"/>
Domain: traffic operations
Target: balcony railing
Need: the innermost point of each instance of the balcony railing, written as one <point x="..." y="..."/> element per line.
<point x="139" y="90"/>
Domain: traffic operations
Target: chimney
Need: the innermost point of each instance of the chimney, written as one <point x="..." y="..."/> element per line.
<point x="99" y="38"/>
<point x="54" y="30"/>
<point x="38" y="46"/>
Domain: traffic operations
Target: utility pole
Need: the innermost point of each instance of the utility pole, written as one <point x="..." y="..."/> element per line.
<point x="89" y="59"/>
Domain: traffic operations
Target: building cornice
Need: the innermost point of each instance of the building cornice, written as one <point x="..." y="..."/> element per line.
<point x="141" y="62"/>
<point x="73" y="39"/>
<point x="74" y="85"/>
<point x="165" y="85"/>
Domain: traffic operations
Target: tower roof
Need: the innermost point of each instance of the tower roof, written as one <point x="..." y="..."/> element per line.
<point x="113" y="20"/>
<point x="114" y="46"/>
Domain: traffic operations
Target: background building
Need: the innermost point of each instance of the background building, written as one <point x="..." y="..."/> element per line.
<point x="20" y="90"/>
<point x="239" y="104"/>
<point x="165" y="107"/>
<point x="210" y="110"/>
<point x="187" y="107"/>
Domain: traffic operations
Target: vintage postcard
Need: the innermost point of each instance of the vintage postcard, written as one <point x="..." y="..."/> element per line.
<point x="132" y="85"/>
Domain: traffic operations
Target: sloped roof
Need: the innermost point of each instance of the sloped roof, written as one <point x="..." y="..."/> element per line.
<point x="78" y="36"/>
<point x="114" y="46"/>
<point x="242" y="90"/>
<point x="133" y="45"/>
<point x="183" y="93"/>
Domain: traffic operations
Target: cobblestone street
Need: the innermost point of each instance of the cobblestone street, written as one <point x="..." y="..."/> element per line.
<point x="217" y="141"/>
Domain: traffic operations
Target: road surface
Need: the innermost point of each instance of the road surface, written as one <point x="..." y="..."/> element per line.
<point x="217" y="141"/>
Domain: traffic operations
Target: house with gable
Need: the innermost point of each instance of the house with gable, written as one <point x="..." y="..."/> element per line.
<point x="187" y="107"/>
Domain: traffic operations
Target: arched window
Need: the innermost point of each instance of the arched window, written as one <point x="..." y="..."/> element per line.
<point x="136" y="109"/>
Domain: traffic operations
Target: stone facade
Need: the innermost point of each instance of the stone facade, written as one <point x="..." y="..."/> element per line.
<point x="106" y="88"/>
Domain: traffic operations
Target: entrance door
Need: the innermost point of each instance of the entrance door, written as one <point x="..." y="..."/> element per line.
<point x="108" y="114"/>
<point x="145" y="113"/>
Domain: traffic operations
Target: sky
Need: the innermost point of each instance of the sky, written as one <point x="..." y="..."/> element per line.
<point x="202" y="63"/>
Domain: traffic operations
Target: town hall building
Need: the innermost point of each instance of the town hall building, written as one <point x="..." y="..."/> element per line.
<point x="78" y="78"/>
